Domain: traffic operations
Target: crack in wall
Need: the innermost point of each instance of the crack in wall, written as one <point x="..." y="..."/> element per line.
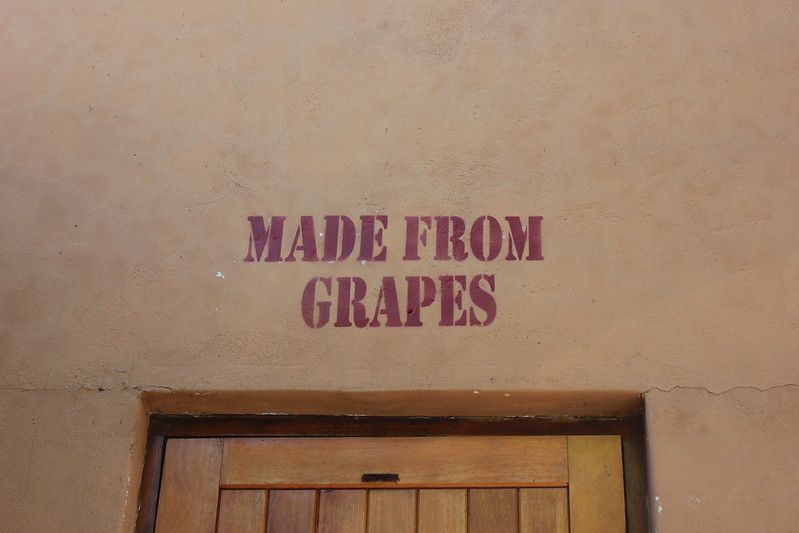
<point x="719" y="393"/>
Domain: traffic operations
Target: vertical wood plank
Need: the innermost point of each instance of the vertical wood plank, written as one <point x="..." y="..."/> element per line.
<point x="392" y="511"/>
<point x="596" y="484"/>
<point x="442" y="511"/>
<point x="544" y="510"/>
<point x="634" y="459"/>
<point x="291" y="511"/>
<point x="242" y="511"/>
<point x="189" y="486"/>
<point x="342" y="511"/>
<point x="493" y="510"/>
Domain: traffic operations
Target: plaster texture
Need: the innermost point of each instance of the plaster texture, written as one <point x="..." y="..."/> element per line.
<point x="69" y="460"/>
<point x="658" y="141"/>
<point x="724" y="462"/>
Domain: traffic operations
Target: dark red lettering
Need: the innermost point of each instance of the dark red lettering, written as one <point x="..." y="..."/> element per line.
<point x="260" y="234"/>
<point x="308" y="247"/>
<point x="444" y="239"/>
<point x="413" y="236"/>
<point x="308" y="300"/>
<point x="494" y="238"/>
<point x="387" y="304"/>
<point x="331" y="240"/>
<point x="482" y="299"/>
<point x="421" y="293"/>
<point x="520" y="236"/>
<point x="452" y="300"/>
<point x="370" y="237"/>
<point x="345" y="302"/>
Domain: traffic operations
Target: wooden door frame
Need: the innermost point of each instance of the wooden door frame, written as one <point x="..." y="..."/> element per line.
<point x="163" y="427"/>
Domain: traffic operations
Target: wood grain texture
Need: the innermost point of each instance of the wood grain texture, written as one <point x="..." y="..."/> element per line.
<point x="419" y="461"/>
<point x="189" y="486"/>
<point x="596" y="484"/>
<point x="383" y="426"/>
<point x="291" y="511"/>
<point x="392" y="511"/>
<point x="635" y="483"/>
<point x="241" y="511"/>
<point x="395" y="405"/>
<point x="544" y="510"/>
<point x="150" y="480"/>
<point x="163" y="427"/>
<point x="342" y="511"/>
<point x="442" y="511"/>
<point x="493" y="511"/>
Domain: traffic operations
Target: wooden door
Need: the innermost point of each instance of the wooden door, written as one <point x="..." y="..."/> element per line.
<point x="393" y="485"/>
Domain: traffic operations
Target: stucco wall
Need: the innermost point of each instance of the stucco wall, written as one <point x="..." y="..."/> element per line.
<point x="657" y="139"/>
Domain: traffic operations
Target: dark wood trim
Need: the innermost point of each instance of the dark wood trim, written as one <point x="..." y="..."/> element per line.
<point x="163" y="427"/>
<point x="633" y="447"/>
<point x="150" y="481"/>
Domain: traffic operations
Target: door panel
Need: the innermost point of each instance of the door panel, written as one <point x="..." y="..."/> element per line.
<point x="596" y="484"/>
<point x="342" y="511"/>
<point x="544" y="510"/>
<point x="493" y="510"/>
<point x="442" y="511"/>
<point x="392" y="511"/>
<point x="241" y="511"/>
<point x="340" y="462"/>
<point x="189" y="485"/>
<point x="500" y="485"/>
<point x="291" y="511"/>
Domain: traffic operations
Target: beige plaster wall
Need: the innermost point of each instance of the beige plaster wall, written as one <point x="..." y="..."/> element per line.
<point x="69" y="460"/>
<point x="724" y="462"/>
<point x="658" y="141"/>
